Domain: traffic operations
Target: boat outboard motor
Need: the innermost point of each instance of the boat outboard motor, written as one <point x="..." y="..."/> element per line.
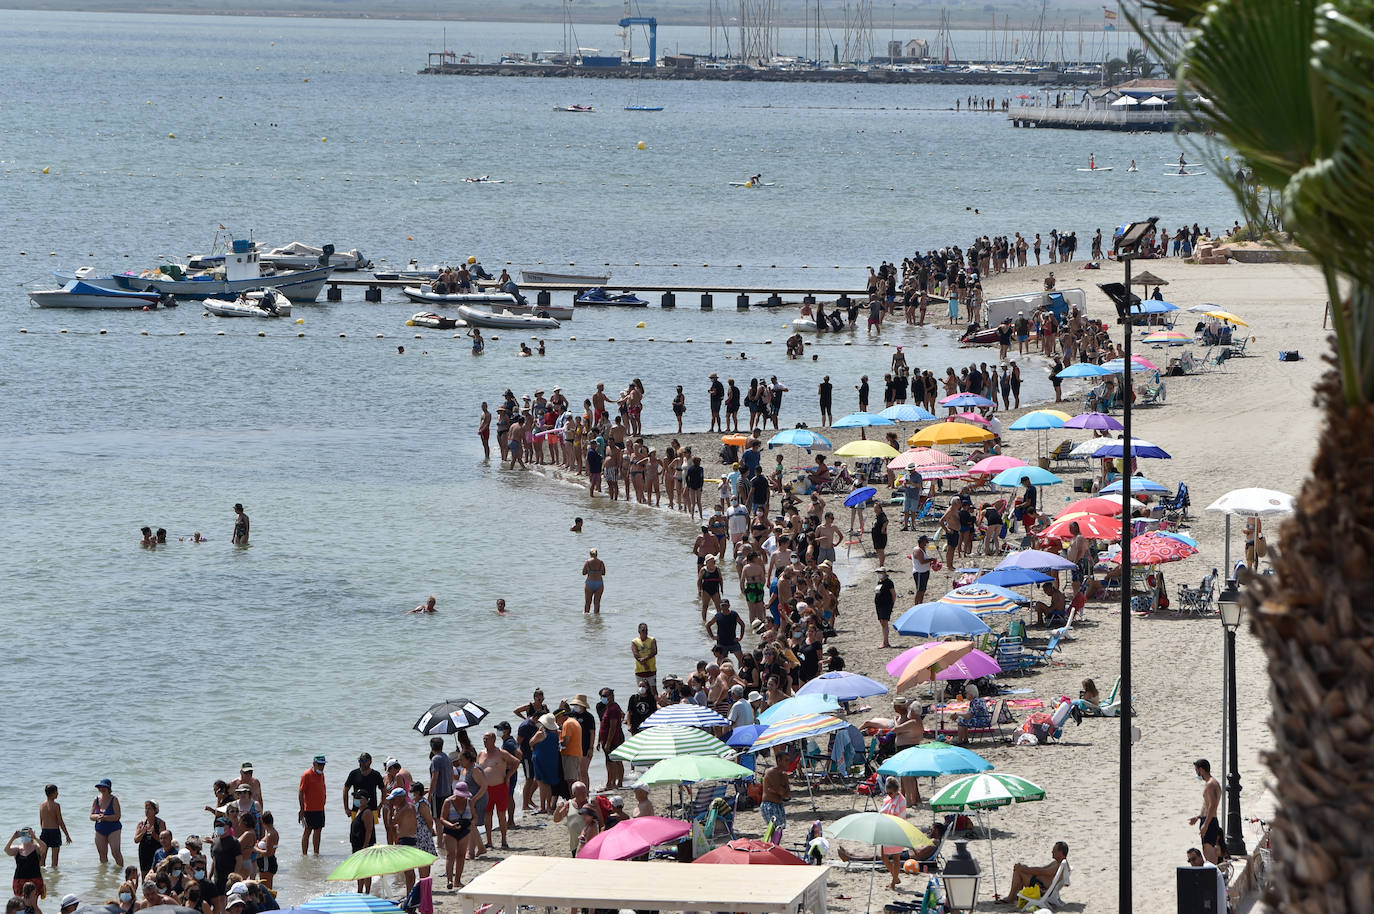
<point x="327" y="252"/>
<point x="269" y="301"/>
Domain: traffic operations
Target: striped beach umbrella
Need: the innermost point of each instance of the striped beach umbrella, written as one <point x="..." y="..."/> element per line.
<point x="798" y="705"/>
<point x="905" y="412"/>
<point x="685" y="714"/>
<point x="985" y="791"/>
<point x="920" y="458"/>
<point x="658" y="743"/>
<point x="980" y="598"/>
<point x="1093" y="526"/>
<point x="791" y="729"/>
<point x="351" y="903"/>
<point x="689" y="769"/>
<point x="380" y="860"/>
<point x="1156" y="549"/>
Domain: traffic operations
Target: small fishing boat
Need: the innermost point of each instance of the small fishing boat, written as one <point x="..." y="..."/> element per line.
<point x="982" y="336"/>
<point x="423" y="296"/>
<point x="574" y="109"/>
<point x="483" y="179"/>
<point x="643" y="107"/>
<point x="434" y="321"/>
<point x="242" y="272"/>
<point x="298" y="256"/>
<point x="268" y="303"/>
<point x="77" y="293"/>
<point x="566" y="279"/>
<point x="413" y="272"/>
<point x="505" y="320"/>
<point x="600" y="296"/>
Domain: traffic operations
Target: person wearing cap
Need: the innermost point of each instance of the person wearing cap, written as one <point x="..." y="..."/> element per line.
<point x="225" y="855"/>
<point x="586" y="722"/>
<point x="363" y="779"/>
<point x="497" y="766"/>
<point x="105" y="813"/>
<point x="311" y="795"/>
<point x="546" y="760"/>
<point x="403" y="822"/>
<point x="246" y="777"/>
<point x="69" y="904"/>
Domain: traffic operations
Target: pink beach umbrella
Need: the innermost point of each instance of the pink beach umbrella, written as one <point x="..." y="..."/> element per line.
<point x="973" y="665"/>
<point x="632" y="838"/>
<point x="920" y="458"/>
<point x="971" y="417"/>
<point x="996" y="464"/>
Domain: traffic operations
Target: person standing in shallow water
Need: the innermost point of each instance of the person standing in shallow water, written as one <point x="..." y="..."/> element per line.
<point x="594" y="570"/>
<point x="240" y="537"/>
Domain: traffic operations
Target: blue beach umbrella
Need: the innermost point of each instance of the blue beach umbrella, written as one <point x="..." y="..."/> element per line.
<point x="1037" y="421"/>
<point x="1139" y="448"/>
<point x="1013" y="577"/>
<point x="861" y="420"/>
<point x="743" y="737"/>
<point x="799" y="705"/>
<point x="905" y="412"/>
<point x="1085" y="370"/>
<point x="844" y="686"/>
<point x="1138" y="484"/>
<point x="1153" y="306"/>
<point x="936" y="619"/>
<point x="1036" y="560"/>
<point x="859" y="496"/>
<point x="1012" y="476"/>
<point x="801" y="437"/>
<point x="966" y="399"/>
<point x="1181" y="537"/>
<point x="351" y="903"/>
<point x="930" y="760"/>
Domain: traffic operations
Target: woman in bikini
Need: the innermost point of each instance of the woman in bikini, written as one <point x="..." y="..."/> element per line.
<point x="652" y="473"/>
<point x="456" y="820"/>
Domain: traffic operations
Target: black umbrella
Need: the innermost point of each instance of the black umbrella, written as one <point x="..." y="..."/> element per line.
<point x="450" y="716"/>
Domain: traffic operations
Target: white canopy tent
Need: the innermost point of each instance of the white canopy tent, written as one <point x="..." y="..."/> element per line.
<point x="1154" y="101"/>
<point x="569" y="882"/>
<point x="1125" y="100"/>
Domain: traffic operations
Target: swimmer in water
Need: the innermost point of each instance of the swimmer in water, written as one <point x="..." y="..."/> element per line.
<point x="501" y="608"/>
<point x="161" y="536"/>
<point x="478" y="344"/>
<point x="525" y="351"/>
<point x="541" y="347"/>
<point x="577" y="525"/>
<point x="426" y="607"/>
<point x="400" y="350"/>
<point x="149" y="541"/>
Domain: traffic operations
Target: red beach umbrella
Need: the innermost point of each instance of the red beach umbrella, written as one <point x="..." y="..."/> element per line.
<point x="751" y="851"/>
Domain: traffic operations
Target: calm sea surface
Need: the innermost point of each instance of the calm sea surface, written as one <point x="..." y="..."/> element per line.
<point x="359" y="467"/>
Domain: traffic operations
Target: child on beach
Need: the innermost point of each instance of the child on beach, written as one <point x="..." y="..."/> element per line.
<point x="52" y="827"/>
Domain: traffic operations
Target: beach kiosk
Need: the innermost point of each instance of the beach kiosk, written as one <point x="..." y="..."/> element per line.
<point x="563" y="882"/>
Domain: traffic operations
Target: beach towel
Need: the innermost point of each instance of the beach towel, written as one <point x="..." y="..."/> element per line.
<point x="426" y="889"/>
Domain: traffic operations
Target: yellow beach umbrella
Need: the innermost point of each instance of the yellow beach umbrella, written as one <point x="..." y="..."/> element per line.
<point x="948" y="433"/>
<point x="1226" y="316"/>
<point x="864" y="448"/>
<point x="1057" y="413"/>
<point x="924" y="666"/>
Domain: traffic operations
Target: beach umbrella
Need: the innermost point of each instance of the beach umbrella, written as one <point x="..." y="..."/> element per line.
<point x="1095" y="421"/>
<point x="800" y="437"/>
<point x="930" y="660"/>
<point x="1138" y="484"/>
<point x="658" y="743"/>
<point x="751" y="852"/>
<point x="862" y="420"/>
<point x="965" y="399"/>
<point x="1084" y="370"/>
<point x="978" y="598"/>
<point x="973" y="665"/>
<point x="743" y="737"/>
<point x="1093" y="526"/>
<point x="937" y="619"/>
<point x="879" y="830"/>
<point x="1148" y="279"/>
<point x="1181" y="537"/>
<point x="790" y="729"/>
<point x="986" y="790"/>
<point x="844" y="686"/>
<point x="1036" y="560"/>
<point x="1139" y="448"/>
<point x="1013" y="577"/>
<point x="351" y="903"/>
<point x="920" y="458"/>
<point x="866" y="448"/>
<point x="996" y="464"/>
<point x="1156" y="549"/>
<point x="155" y="909"/>
<point x="1138" y="363"/>
<point x="905" y="412"/>
<point x="1126" y="101"/>
<point x="798" y="705"/>
<point x="1170" y="337"/>
<point x="685" y="714"/>
<point x="450" y="717"/>
<point x="380" y="860"/>
<point x="1253" y="503"/>
<point x="634" y="837"/>
<point x="930" y="474"/>
<point x="689" y="769"/>
<point x="948" y="433"/>
<point x="1016" y="476"/>
<point x="1225" y="316"/>
<point x="1098" y="504"/>
<point x="933" y="760"/>
<point x="1038" y="420"/>
<point x="971" y="417"/>
<point x="859" y="496"/>
<point x="1153" y="306"/>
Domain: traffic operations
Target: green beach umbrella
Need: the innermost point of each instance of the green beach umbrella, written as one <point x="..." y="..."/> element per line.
<point x="657" y="743"/>
<point x="988" y="790"/>
<point x="877" y="829"/>
<point x="381" y="860"/>
<point x="688" y="769"/>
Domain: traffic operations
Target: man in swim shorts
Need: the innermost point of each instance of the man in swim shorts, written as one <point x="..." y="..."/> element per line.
<point x="498" y="765"/>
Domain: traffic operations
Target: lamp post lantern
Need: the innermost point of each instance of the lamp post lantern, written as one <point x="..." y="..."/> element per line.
<point x="961" y="875"/>
<point x="1228" y="602"/>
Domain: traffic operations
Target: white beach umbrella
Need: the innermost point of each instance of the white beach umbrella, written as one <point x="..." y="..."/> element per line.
<point x="1125" y="100"/>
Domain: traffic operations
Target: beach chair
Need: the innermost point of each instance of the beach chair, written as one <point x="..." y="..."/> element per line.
<point x="1176" y="508"/>
<point x="1060" y="452"/>
<point x="1065" y="631"/>
<point x="704" y="798"/>
<point x="1046" y="657"/>
<point x="1238" y="346"/>
<point x="869" y="789"/>
<point x="1197" y="600"/>
<point x="1111" y="705"/>
<point x="1049" y="900"/>
<point x="1154" y="394"/>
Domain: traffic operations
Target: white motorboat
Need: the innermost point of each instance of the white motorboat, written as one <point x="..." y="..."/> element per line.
<point x="565" y="279"/>
<point x="505" y="320"/>
<point x="423" y="296"/>
<point x="77" y="293"/>
<point x="298" y="256"/>
<point x="242" y="273"/>
<point x="267" y="303"/>
<point x="434" y="321"/>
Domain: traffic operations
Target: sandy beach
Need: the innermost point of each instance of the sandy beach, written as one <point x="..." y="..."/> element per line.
<point x="1247" y="423"/>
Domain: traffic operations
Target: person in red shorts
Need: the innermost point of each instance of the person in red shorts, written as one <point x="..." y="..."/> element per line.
<point x="498" y="765"/>
<point x="27" y="851"/>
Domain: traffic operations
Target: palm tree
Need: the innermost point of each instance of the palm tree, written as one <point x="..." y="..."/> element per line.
<point x="1137" y="62"/>
<point x="1290" y="84"/>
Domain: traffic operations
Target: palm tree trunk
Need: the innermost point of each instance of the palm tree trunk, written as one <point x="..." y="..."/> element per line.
<point x="1316" y="621"/>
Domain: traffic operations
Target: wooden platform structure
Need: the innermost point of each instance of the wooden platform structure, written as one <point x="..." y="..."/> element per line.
<point x="570" y="883"/>
<point x="1078" y="118"/>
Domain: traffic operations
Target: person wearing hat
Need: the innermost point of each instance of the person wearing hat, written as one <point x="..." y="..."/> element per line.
<point x="311" y="795"/>
<point x="254" y="785"/>
<point x="69" y="904"/>
<point x="363" y="779"/>
<point x="547" y="762"/>
<point x="455" y="822"/>
<point x="105" y="813"/>
<point x="715" y="393"/>
<point x="884" y="598"/>
<point x="395" y="776"/>
<point x="586" y="726"/>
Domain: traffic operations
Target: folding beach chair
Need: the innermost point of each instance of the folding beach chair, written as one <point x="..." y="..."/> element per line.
<point x="1049" y="900"/>
<point x="1197" y="600"/>
<point x="1176" y="508"/>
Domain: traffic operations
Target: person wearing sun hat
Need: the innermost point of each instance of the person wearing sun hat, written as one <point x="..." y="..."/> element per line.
<point x="546" y="761"/>
<point x="578" y="708"/>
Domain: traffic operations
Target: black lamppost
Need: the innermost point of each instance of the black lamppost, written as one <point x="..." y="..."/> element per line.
<point x="1228" y="602"/>
<point x="1127" y="245"/>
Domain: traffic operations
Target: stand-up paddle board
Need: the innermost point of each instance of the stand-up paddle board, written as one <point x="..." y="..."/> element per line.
<point x="1099" y="168"/>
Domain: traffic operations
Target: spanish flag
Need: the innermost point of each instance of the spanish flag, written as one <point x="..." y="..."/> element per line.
<point x="1108" y="14"/>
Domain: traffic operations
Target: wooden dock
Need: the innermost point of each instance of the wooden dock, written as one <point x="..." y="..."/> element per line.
<point x="1077" y="118"/>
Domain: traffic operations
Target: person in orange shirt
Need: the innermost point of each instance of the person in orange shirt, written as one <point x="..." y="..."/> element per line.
<point x="569" y="743"/>
<point x="312" y="799"/>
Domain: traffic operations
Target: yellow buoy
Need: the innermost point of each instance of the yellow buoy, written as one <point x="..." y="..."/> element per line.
<point x="640" y="145"/>
<point x="300" y="320"/>
<point x="471" y="260"/>
<point x="171" y="136"/>
<point x="640" y="325"/>
<point x="45" y="169"/>
<point x="410" y="323"/>
<point x="324" y="139"/>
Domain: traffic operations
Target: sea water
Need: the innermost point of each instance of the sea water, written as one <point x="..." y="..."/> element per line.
<point x="359" y="466"/>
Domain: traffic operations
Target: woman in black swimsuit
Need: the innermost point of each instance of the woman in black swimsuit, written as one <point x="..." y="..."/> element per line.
<point x="879" y="531"/>
<point x="456" y="820"/>
<point x="709" y="581"/>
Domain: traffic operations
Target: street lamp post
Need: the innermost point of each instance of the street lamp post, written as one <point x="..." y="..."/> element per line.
<point x="1228" y="602"/>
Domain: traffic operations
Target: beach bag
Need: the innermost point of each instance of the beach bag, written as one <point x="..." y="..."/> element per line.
<point x="1261" y="547"/>
<point x="1030" y="891"/>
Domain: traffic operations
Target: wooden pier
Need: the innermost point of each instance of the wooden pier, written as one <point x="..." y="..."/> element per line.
<point x="1162" y="120"/>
